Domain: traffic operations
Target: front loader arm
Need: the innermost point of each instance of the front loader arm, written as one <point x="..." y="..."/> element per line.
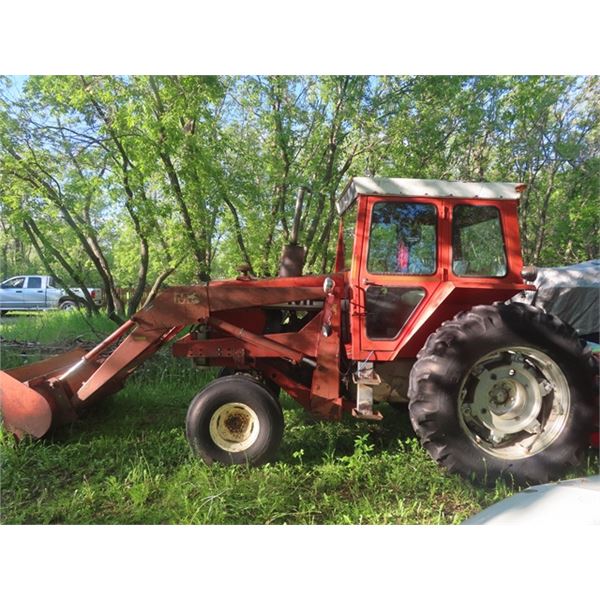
<point x="35" y="398"/>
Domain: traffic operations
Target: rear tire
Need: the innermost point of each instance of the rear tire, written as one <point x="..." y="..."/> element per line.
<point x="68" y="305"/>
<point x="235" y="420"/>
<point x="504" y="391"/>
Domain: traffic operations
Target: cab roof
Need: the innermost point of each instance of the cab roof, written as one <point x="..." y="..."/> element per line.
<point x="434" y="188"/>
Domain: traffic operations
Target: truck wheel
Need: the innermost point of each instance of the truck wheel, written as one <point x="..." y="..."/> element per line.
<point x="504" y="391"/>
<point x="67" y="305"/>
<point x="271" y="387"/>
<point x="234" y="420"/>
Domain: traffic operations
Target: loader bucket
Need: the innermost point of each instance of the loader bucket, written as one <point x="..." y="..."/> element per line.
<point x="23" y="409"/>
<point x="31" y="401"/>
<point x="37" y="397"/>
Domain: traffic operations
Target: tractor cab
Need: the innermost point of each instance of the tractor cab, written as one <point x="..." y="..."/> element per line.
<point x="418" y="251"/>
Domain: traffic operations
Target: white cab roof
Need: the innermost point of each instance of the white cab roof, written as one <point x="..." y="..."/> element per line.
<point x="434" y="188"/>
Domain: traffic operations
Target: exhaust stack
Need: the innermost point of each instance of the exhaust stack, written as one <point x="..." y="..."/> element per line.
<point x="293" y="255"/>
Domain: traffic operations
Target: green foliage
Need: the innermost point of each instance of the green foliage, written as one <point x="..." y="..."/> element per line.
<point x="52" y="327"/>
<point x="131" y="180"/>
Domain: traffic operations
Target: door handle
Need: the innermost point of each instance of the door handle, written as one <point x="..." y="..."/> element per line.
<point x="366" y="281"/>
<point x="40" y="291"/>
<point x="18" y="291"/>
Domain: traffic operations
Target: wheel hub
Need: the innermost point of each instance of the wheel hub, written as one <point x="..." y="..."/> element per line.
<point x="234" y="427"/>
<point x="514" y="402"/>
<point x="506" y="399"/>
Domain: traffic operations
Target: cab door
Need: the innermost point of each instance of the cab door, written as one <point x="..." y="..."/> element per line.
<point x="33" y="293"/>
<point x="399" y="269"/>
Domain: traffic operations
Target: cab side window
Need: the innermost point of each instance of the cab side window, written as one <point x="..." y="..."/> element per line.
<point x="34" y="283"/>
<point x="13" y="284"/>
<point x="402" y="239"/>
<point x="477" y="242"/>
<point x="389" y="308"/>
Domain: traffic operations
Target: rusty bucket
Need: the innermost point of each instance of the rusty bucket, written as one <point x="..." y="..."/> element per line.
<point x="37" y="397"/>
<point x="33" y="398"/>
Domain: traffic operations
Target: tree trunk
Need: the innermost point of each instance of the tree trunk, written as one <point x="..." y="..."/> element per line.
<point x="159" y="281"/>
<point x="541" y="230"/>
<point x="34" y="234"/>
<point x="197" y="249"/>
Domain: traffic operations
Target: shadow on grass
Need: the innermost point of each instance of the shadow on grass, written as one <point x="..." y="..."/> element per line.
<point x="146" y="410"/>
<point x="154" y="404"/>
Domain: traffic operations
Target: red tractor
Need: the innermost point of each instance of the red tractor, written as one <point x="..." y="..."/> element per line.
<point x="417" y="311"/>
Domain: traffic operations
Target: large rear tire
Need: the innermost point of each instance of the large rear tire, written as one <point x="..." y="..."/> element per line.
<point x="504" y="391"/>
<point x="235" y="420"/>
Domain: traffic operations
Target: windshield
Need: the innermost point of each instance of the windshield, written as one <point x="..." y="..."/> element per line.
<point x="402" y="239"/>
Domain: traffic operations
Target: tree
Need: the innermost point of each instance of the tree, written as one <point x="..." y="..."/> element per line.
<point x="130" y="182"/>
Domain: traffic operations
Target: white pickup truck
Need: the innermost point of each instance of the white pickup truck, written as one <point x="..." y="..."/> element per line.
<point x="37" y="292"/>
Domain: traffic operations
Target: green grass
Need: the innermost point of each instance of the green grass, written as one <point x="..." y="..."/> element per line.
<point x="128" y="462"/>
<point x="55" y="326"/>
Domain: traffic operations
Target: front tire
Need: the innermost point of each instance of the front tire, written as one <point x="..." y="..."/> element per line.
<point x="504" y="391"/>
<point x="235" y="420"/>
<point x="269" y="385"/>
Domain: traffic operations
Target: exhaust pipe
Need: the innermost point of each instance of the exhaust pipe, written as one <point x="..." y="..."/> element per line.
<point x="293" y="255"/>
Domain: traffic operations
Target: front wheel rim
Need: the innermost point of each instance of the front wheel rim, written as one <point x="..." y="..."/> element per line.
<point x="514" y="402"/>
<point x="234" y="427"/>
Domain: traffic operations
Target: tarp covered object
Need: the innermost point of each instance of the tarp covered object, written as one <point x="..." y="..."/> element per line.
<point x="571" y="293"/>
<point x="568" y="502"/>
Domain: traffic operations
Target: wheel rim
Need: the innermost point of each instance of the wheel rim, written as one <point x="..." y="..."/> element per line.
<point x="234" y="427"/>
<point x="514" y="402"/>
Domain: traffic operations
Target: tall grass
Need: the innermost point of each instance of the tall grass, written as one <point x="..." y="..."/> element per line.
<point x="128" y="462"/>
<point x="59" y="326"/>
